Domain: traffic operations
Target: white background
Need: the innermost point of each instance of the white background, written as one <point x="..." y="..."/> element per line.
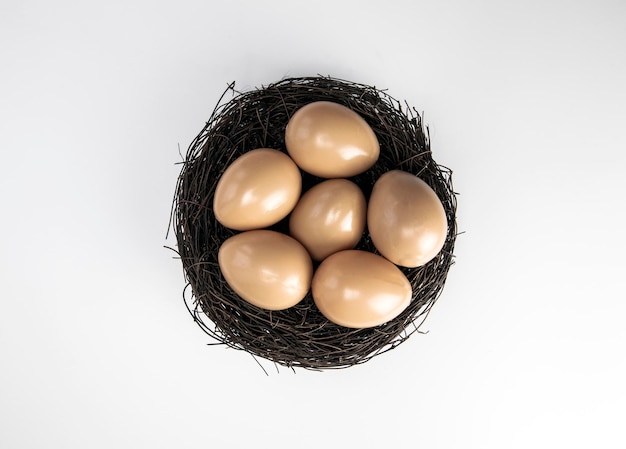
<point x="526" y="102"/>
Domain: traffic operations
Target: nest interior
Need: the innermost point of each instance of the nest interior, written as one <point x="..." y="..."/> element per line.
<point x="299" y="336"/>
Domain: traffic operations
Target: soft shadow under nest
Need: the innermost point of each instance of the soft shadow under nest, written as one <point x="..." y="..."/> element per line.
<point x="299" y="336"/>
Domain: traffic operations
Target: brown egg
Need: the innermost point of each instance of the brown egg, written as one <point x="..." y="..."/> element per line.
<point x="266" y="268"/>
<point x="329" y="217"/>
<point x="405" y="219"/>
<point x="360" y="289"/>
<point x="331" y="141"/>
<point x="257" y="190"/>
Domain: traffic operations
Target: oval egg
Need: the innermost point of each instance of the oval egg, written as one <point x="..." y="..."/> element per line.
<point x="329" y="140"/>
<point x="406" y="220"/>
<point x="359" y="289"/>
<point x="266" y="268"/>
<point x="257" y="190"/>
<point x="329" y="217"/>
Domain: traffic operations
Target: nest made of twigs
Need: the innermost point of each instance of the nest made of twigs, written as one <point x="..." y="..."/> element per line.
<point x="299" y="336"/>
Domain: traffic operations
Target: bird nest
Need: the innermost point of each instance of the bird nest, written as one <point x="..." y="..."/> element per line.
<point x="299" y="336"/>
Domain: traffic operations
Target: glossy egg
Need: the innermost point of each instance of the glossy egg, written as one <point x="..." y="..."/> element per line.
<point x="329" y="140"/>
<point x="360" y="289"/>
<point x="257" y="190"/>
<point x="266" y="268"/>
<point x="406" y="220"/>
<point x="329" y="217"/>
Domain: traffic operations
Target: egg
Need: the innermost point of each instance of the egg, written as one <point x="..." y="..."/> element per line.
<point x="329" y="140"/>
<point x="360" y="289"/>
<point x="329" y="217"/>
<point x="405" y="219"/>
<point x="257" y="190"/>
<point x="266" y="268"/>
